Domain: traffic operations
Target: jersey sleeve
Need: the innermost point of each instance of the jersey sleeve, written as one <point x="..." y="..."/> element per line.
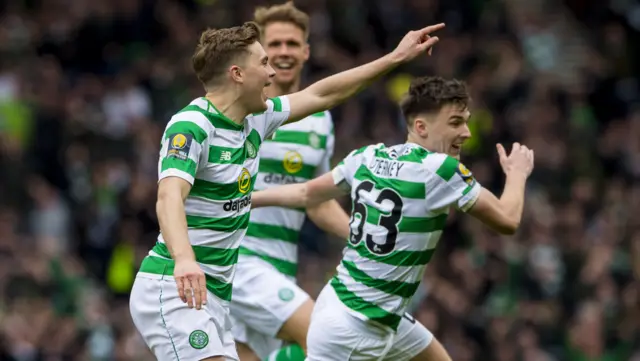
<point x="450" y="184"/>
<point x="277" y="113"/>
<point x="345" y="171"/>
<point x="325" y="163"/>
<point x="182" y="150"/>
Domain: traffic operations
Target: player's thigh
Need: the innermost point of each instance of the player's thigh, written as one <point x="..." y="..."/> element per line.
<point x="414" y="342"/>
<point x="245" y="353"/>
<point x="335" y="335"/>
<point x="265" y="299"/>
<point x="329" y="339"/>
<point x="172" y="330"/>
<point x="297" y="326"/>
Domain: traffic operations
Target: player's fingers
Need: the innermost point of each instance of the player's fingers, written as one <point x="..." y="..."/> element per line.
<point x="188" y="290"/>
<point x="515" y="147"/>
<point x="431" y="28"/>
<point x="531" y="155"/>
<point x="203" y="289"/>
<point x="197" y="296"/>
<point x="180" y="285"/>
<point x="501" y="152"/>
<point x="429" y="43"/>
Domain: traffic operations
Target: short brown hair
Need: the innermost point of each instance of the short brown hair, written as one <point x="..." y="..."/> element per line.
<point x="217" y="48"/>
<point x="430" y="94"/>
<point x="286" y="12"/>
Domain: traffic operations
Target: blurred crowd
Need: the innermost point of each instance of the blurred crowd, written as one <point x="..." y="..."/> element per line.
<point x="86" y="88"/>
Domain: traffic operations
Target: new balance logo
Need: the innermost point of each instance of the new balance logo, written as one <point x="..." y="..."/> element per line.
<point x="226" y="155"/>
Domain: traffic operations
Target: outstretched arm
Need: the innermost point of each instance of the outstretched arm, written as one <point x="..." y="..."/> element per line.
<point x="331" y="91"/>
<point x="330" y="217"/>
<point x="300" y="195"/>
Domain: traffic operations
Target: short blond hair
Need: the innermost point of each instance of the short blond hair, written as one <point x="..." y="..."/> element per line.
<point x="217" y="48"/>
<point x="286" y="12"/>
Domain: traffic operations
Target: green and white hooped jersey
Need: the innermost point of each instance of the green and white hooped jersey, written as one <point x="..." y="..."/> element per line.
<point x="219" y="158"/>
<point x="401" y="197"/>
<point x="296" y="153"/>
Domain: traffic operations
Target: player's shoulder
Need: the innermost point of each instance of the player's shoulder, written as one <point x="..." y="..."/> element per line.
<point x="444" y="166"/>
<point x="370" y="149"/>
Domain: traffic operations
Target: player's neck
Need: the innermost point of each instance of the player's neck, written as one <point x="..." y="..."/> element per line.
<point x="276" y="90"/>
<point x="228" y="103"/>
<point x="412" y="138"/>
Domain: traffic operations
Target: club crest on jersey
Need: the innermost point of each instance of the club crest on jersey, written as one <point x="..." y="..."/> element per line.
<point x="465" y="174"/>
<point x="292" y="162"/>
<point x="314" y="140"/>
<point x="179" y="146"/>
<point x="244" y="181"/>
<point x="252" y="152"/>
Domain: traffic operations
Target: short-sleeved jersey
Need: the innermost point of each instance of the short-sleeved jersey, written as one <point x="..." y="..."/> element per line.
<point x="296" y="153"/>
<point x="401" y="199"/>
<point x="219" y="158"/>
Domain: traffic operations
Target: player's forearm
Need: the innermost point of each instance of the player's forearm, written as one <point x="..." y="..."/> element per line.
<point x="173" y="225"/>
<point x="512" y="198"/>
<point x="330" y="217"/>
<point x="288" y="196"/>
<point x="339" y="87"/>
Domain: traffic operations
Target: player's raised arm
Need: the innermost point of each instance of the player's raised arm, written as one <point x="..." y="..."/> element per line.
<point x="504" y="214"/>
<point x="331" y="91"/>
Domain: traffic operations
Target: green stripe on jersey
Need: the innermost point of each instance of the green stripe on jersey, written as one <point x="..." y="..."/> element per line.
<point x="409" y="224"/>
<point x="218" y="191"/>
<point x="161" y="266"/>
<point x="217" y="120"/>
<point x="318" y="141"/>
<point x="277" y="104"/>
<point x="306" y="171"/>
<point x="406" y="189"/>
<point x="226" y="224"/>
<point x="417" y="155"/>
<point x="222" y="257"/>
<point x="188" y="165"/>
<point x="268" y="231"/>
<point x="226" y="155"/>
<point x="368" y="309"/>
<point x="448" y="168"/>
<point x="396" y="288"/>
<point x="186" y="127"/>
<point x="396" y="258"/>
<point x="284" y="267"/>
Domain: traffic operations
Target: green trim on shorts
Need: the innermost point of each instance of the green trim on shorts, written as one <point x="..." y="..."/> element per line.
<point x="164" y="323"/>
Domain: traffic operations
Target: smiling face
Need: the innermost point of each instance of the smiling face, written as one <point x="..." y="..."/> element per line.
<point x="444" y="131"/>
<point x="437" y="114"/>
<point x="287" y="49"/>
<point x="255" y="74"/>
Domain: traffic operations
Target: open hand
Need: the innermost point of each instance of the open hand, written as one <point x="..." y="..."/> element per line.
<point x="519" y="160"/>
<point x="416" y="42"/>
<point x="191" y="283"/>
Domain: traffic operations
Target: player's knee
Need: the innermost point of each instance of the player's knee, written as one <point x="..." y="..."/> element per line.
<point x="297" y="326"/>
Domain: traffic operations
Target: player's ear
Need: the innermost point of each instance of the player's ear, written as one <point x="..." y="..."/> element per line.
<point x="236" y="74"/>
<point x="306" y="51"/>
<point x="421" y="127"/>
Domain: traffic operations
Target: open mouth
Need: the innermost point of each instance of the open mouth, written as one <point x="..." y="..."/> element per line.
<point x="283" y="65"/>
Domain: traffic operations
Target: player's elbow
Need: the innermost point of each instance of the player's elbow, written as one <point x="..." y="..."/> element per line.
<point x="508" y="227"/>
